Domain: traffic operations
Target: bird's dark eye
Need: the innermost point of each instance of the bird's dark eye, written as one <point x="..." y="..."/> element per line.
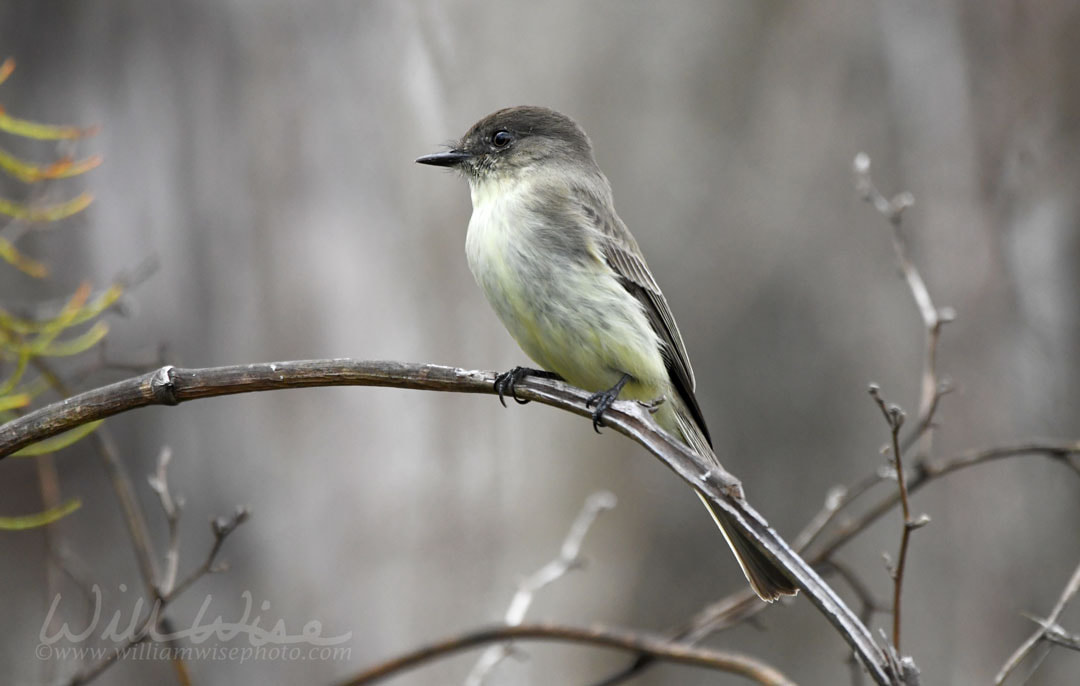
<point x="501" y="139"/>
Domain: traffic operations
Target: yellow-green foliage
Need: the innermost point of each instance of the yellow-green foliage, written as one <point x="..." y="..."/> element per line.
<point x="32" y="521"/>
<point x="27" y="341"/>
<point x="31" y="173"/>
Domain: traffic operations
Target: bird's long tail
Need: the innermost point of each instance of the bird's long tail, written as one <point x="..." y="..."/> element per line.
<point x="765" y="577"/>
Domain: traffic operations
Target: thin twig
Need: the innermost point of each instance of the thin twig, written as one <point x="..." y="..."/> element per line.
<point x="741" y="605"/>
<point x="121" y="483"/>
<point x="931" y="391"/>
<point x="656" y="647"/>
<point x="932" y="317"/>
<point x="1058" y="636"/>
<point x="134" y="519"/>
<point x="926" y="471"/>
<point x="171" y="506"/>
<point x="835" y="499"/>
<point x="1045" y="626"/>
<point x="49" y="486"/>
<point x="895" y="418"/>
<point x="133" y="516"/>
<point x="568" y="559"/>
<point x="221" y="528"/>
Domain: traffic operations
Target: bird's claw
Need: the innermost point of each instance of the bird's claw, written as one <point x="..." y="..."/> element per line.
<point x="506" y="382"/>
<point x="603" y="400"/>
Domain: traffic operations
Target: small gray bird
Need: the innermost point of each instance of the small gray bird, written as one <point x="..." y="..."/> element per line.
<point x="568" y="280"/>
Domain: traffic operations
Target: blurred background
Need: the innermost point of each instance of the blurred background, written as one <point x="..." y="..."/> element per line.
<point x="263" y="151"/>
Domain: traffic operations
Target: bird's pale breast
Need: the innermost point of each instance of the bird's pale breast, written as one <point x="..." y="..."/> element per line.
<point x="566" y="309"/>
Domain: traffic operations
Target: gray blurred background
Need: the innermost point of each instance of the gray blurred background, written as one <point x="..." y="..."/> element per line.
<point x="263" y="151"/>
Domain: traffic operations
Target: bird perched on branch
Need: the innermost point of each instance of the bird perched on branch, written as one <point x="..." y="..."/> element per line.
<point x="568" y="280"/>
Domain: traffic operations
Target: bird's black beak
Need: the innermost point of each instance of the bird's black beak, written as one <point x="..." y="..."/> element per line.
<point x="450" y="158"/>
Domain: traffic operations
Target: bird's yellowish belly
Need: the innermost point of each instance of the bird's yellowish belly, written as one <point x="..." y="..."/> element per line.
<point x="571" y="316"/>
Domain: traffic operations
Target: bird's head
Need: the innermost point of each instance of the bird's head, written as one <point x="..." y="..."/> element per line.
<point x="507" y="142"/>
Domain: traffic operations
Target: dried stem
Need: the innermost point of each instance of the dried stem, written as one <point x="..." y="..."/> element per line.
<point x="1058" y="636"/>
<point x="133" y="516"/>
<point x="221" y="527"/>
<point x="568" y="559"/>
<point x="159" y="482"/>
<point x="931" y="390"/>
<point x="742" y="605"/>
<point x="835" y="500"/>
<point x="739" y="606"/>
<point x="895" y="418"/>
<point x="1048" y="630"/>
<point x="49" y="486"/>
<point x="121" y="483"/>
<point x="658" y="648"/>
<point x="932" y="317"/>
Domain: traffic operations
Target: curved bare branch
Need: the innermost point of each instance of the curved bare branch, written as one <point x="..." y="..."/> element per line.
<point x="658" y="648"/>
<point x="172" y="385"/>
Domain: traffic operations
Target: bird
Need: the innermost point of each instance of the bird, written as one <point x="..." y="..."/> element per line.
<point x="569" y="282"/>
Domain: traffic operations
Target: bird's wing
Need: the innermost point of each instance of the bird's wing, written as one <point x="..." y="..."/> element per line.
<point x="622" y="254"/>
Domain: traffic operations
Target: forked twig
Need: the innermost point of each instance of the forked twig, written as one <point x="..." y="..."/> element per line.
<point x="895" y="418"/>
<point x="221" y="528"/>
<point x="568" y="559"/>
<point x="1048" y="630"/>
<point x="933" y="318"/>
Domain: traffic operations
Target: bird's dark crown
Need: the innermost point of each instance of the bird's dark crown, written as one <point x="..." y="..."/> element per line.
<point x="516" y="138"/>
<point x="527" y="121"/>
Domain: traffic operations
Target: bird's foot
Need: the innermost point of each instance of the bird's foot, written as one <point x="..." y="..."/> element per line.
<point x="603" y="401"/>
<point x="505" y="382"/>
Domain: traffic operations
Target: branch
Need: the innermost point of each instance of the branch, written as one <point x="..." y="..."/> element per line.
<point x="926" y="471"/>
<point x="171" y="507"/>
<point x="868" y="605"/>
<point x="221" y="527"/>
<point x="121" y="483"/>
<point x="932" y="317"/>
<point x="1047" y="627"/>
<point x="172" y="385"/>
<point x="895" y="418"/>
<point x="658" y="648"/>
<point x="1058" y="636"/>
<point x="132" y="514"/>
<point x="741" y="605"/>
<point x="569" y="558"/>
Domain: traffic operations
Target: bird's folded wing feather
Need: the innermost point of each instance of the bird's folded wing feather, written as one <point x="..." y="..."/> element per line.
<point x="622" y="254"/>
